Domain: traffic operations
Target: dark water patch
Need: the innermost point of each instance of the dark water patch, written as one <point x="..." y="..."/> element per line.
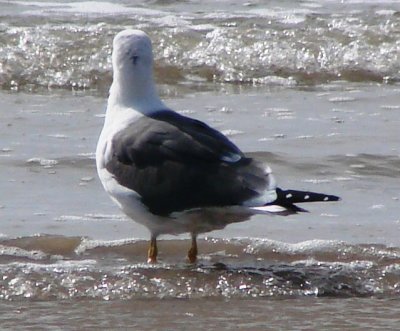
<point x="277" y="160"/>
<point x="49" y="245"/>
<point x="370" y="164"/>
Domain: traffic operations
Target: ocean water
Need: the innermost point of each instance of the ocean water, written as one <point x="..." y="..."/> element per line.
<point x="311" y="87"/>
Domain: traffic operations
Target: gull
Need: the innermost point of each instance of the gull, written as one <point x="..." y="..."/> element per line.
<point x="171" y="173"/>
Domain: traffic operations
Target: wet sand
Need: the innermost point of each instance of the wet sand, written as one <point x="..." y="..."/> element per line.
<point x="218" y="314"/>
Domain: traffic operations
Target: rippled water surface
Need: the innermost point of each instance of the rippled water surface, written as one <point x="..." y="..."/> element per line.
<point x="311" y="87"/>
<point x="68" y="44"/>
<point x="56" y="268"/>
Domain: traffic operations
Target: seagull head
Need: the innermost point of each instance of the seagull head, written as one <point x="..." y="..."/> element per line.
<point x="132" y="52"/>
<point x="132" y="60"/>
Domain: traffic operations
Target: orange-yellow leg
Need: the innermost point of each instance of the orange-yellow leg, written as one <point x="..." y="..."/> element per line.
<point x="192" y="253"/>
<point x="152" y="252"/>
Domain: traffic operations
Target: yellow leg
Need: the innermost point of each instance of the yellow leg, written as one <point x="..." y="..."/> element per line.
<point x="152" y="252"/>
<point x="192" y="253"/>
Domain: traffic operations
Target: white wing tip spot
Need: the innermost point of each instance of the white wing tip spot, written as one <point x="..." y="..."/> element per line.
<point x="326" y="198"/>
<point x="289" y="195"/>
<point x="306" y="197"/>
<point x="231" y="158"/>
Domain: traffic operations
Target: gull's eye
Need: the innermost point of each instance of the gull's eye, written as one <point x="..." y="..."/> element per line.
<point x="134" y="59"/>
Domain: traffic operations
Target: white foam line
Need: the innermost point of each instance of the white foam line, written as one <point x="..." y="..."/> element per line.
<point x="91" y="217"/>
<point x="85" y="7"/>
<point x="88" y="244"/>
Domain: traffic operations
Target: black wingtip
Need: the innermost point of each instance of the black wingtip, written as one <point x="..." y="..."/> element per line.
<point x="293" y="196"/>
<point x="332" y="198"/>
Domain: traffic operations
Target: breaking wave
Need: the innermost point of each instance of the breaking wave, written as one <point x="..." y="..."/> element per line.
<point x="56" y="267"/>
<point x="250" y="45"/>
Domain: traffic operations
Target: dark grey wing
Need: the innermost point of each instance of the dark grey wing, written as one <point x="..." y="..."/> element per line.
<point x="176" y="163"/>
<point x="213" y="143"/>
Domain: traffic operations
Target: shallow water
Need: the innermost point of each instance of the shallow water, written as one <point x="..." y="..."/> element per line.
<point x="310" y="87"/>
<point x="59" y="268"/>
<point x="215" y="314"/>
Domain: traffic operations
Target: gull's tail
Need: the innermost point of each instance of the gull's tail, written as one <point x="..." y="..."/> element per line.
<point x="288" y="198"/>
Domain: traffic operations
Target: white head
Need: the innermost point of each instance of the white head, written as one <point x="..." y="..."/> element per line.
<point x="132" y="59"/>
